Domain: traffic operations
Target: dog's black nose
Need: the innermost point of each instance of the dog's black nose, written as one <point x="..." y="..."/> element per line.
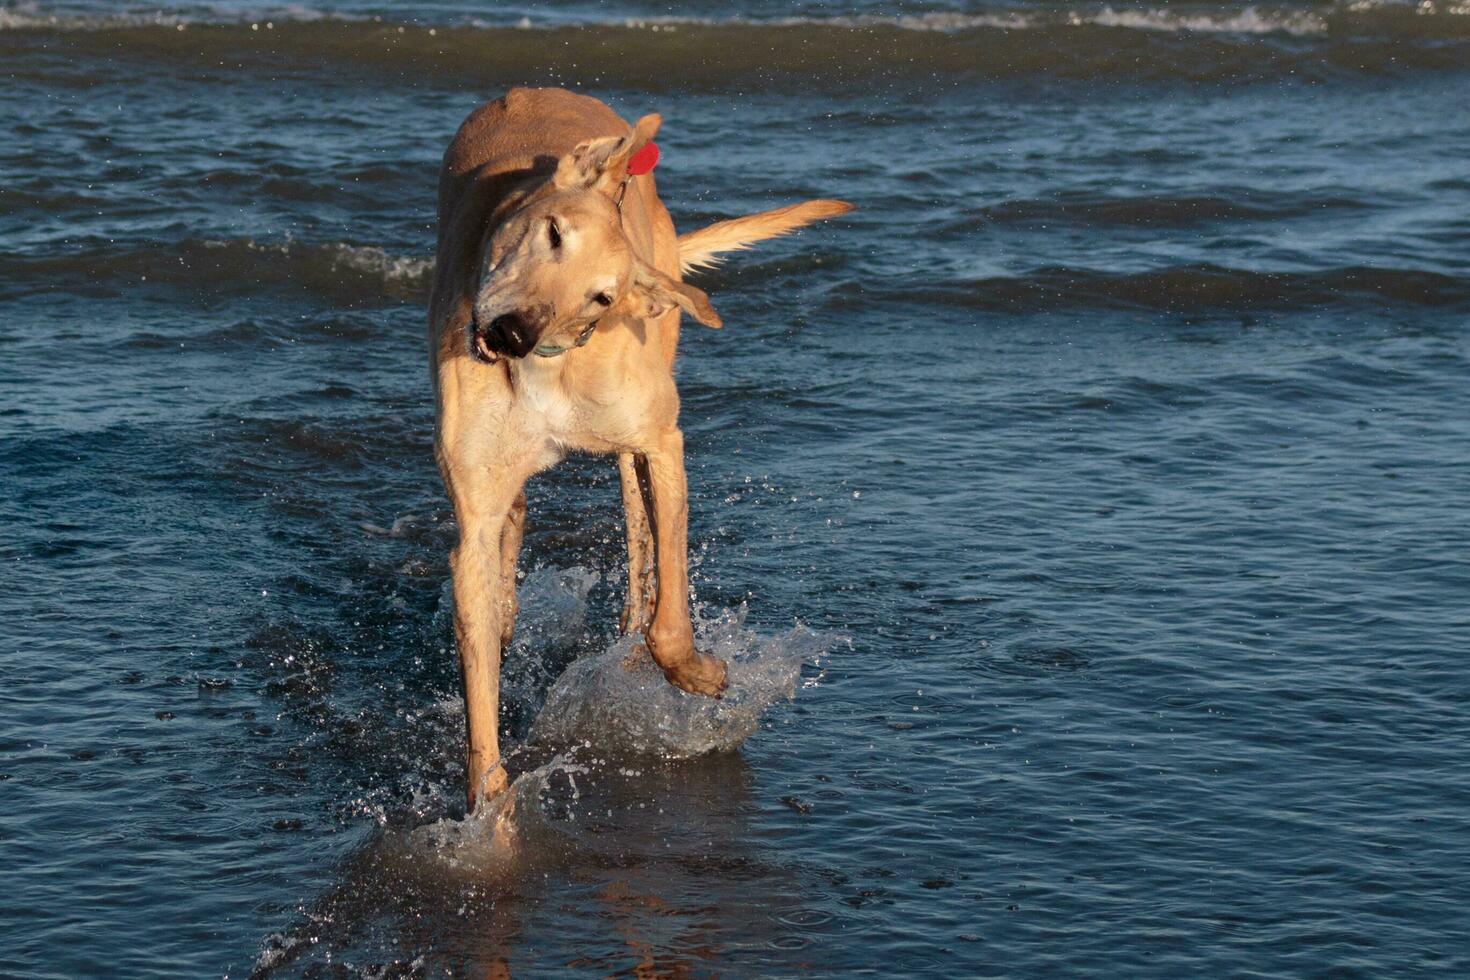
<point x="511" y="334"/>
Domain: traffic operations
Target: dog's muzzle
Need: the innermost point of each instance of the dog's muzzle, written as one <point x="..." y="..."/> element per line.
<point x="506" y="336"/>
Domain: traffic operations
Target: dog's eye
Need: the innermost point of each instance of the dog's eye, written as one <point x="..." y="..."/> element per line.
<point x="602" y="299"/>
<point x="553" y="233"/>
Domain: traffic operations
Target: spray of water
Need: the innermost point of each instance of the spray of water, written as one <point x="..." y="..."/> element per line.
<point x="618" y="702"/>
<point x="610" y="703"/>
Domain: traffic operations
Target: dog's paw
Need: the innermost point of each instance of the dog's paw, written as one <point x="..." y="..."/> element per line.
<point x="699" y="674"/>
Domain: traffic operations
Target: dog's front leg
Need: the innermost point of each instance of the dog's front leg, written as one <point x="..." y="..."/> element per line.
<point x="671" y="636"/>
<point x="482" y="504"/>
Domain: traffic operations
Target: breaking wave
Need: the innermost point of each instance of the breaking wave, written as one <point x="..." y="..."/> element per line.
<point x="1361" y="16"/>
<point x="363" y="275"/>
<point x="1191" y="41"/>
<point x="350" y="273"/>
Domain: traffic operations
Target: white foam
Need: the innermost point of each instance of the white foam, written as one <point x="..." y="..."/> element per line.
<point x="402" y="527"/>
<point x="367" y="259"/>
<point x="943" y="22"/>
<point x="379" y="262"/>
<point x="1247" y="20"/>
<point x="32" y="16"/>
<point x="337" y="257"/>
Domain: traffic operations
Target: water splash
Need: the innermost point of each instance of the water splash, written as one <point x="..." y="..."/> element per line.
<point x="497" y="837"/>
<point x="551" y="625"/>
<point x="613" y="701"/>
<point x="617" y="700"/>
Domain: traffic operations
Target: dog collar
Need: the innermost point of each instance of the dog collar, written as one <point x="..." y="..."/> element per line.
<point x="553" y="350"/>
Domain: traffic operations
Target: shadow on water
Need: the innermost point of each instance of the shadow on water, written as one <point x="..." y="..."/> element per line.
<point x="652" y="860"/>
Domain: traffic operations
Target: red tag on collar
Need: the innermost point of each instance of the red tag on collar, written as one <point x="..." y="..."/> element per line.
<point x="644" y="160"/>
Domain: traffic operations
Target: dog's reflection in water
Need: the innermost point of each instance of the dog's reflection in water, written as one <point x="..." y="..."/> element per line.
<point x="614" y="867"/>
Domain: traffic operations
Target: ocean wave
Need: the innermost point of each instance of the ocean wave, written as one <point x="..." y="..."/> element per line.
<point x="34" y="16"/>
<point x="1207" y="18"/>
<point x="1196" y="42"/>
<point x="1178" y="289"/>
<point x="351" y="273"/>
<point x="1162" y="210"/>
<point x="363" y="275"/>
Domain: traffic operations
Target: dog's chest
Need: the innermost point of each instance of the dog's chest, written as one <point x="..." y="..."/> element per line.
<point x="547" y="412"/>
<point x="545" y="401"/>
<point x="557" y="417"/>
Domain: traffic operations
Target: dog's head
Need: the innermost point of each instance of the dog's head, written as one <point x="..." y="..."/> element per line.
<point x="562" y="260"/>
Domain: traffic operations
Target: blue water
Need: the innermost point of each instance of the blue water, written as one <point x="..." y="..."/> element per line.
<point x="1099" y="487"/>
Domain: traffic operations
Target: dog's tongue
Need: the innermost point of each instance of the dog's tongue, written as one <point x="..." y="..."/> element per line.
<point x="644" y="160"/>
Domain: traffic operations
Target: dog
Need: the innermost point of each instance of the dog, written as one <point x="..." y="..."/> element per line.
<point x="553" y="325"/>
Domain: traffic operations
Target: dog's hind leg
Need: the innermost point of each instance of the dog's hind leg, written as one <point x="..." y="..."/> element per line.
<point x="638" y="604"/>
<point x="510" y="552"/>
<point x="671" y="636"/>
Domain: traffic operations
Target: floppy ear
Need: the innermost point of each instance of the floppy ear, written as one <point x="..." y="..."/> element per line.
<point x="654" y="294"/>
<point x="603" y="163"/>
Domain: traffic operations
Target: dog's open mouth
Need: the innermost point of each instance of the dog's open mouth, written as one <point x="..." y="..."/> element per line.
<point x="480" y="347"/>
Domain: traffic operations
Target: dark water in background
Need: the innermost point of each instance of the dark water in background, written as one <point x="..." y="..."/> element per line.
<point x="1113" y="459"/>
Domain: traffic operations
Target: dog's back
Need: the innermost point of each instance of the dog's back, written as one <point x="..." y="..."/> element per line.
<point x="520" y="135"/>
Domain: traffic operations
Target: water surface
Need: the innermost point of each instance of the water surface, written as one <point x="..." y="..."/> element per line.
<point x="1098" y="490"/>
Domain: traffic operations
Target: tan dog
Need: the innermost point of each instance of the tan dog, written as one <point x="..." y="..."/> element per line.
<point x="553" y="327"/>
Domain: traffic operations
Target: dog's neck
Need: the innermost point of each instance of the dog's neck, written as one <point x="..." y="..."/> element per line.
<point x="532" y="369"/>
<point x="540" y="391"/>
<point x="538" y="382"/>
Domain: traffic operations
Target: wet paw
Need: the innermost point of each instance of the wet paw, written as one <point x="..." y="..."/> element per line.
<point x="699" y="674"/>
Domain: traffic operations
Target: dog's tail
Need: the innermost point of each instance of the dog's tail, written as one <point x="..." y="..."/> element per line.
<point x="699" y="249"/>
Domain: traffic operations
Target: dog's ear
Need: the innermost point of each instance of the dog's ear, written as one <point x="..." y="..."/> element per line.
<point x="584" y="166"/>
<point x="603" y="163"/>
<point x="654" y="294"/>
